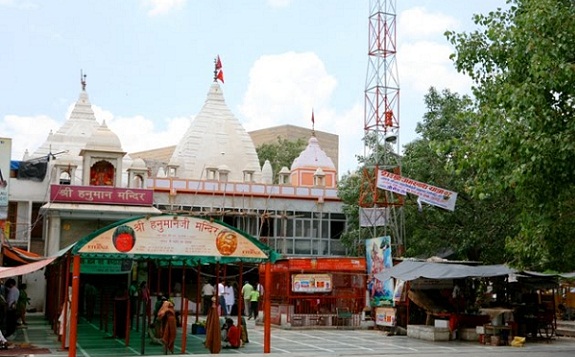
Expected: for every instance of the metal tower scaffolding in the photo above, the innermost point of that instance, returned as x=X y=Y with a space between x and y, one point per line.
x=381 y=124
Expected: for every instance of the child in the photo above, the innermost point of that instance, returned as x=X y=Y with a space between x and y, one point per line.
x=254 y=302
x=233 y=334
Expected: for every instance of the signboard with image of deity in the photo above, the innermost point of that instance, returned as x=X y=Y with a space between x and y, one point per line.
x=174 y=236
x=311 y=283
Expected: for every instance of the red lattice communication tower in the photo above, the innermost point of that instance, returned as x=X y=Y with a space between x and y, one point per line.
x=381 y=122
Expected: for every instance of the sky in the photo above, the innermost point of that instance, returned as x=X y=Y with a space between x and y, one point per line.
x=149 y=64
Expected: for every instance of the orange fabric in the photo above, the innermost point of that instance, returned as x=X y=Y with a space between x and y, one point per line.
x=15 y=254
x=168 y=316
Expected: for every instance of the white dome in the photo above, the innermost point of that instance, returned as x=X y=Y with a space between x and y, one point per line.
x=138 y=164
x=267 y=173
x=216 y=137
x=223 y=168
x=67 y=159
x=313 y=156
x=104 y=139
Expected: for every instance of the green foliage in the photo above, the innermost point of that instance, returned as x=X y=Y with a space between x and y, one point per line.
x=280 y=154
x=477 y=229
x=520 y=144
x=354 y=237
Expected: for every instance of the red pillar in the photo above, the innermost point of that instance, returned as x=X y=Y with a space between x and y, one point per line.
x=74 y=312
x=267 y=309
x=66 y=300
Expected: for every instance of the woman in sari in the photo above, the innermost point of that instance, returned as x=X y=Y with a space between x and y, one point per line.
x=167 y=315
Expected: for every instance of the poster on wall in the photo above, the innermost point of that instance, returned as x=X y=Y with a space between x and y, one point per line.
x=311 y=283
x=378 y=258
x=385 y=316
x=5 y=153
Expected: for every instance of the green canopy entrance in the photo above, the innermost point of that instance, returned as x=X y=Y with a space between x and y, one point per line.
x=174 y=240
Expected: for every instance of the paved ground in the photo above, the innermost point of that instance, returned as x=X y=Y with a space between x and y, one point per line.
x=297 y=343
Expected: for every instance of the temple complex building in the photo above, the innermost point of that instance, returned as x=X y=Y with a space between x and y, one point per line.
x=90 y=182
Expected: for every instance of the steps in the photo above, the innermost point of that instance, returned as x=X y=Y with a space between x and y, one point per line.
x=565 y=328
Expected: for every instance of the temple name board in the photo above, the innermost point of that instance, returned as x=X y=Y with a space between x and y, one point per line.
x=101 y=195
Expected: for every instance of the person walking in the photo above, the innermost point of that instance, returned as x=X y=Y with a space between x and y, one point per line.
x=207 y=294
x=133 y=292
x=222 y=299
x=12 y=296
x=254 y=301
x=167 y=315
x=247 y=295
x=146 y=299
x=22 y=304
x=230 y=297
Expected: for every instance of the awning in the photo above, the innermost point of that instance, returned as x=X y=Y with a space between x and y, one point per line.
x=411 y=270
x=24 y=269
x=85 y=208
x=19 y=256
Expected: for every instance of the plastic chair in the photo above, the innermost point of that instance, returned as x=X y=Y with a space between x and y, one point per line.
x=343 y=317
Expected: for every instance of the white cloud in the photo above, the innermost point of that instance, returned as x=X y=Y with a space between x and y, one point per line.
x=424 y=64
x=138 y=133
x=284 y=89
x=160 y=7
x=349 y=127
x=27 y=132
x=418 y=22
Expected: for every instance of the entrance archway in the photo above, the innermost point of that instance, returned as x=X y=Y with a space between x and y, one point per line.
x=175 y=240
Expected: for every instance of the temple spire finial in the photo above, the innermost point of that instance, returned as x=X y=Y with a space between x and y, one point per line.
x=312 y=123
x=83 y=79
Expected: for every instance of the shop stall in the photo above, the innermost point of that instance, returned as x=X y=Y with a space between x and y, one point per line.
x=312 y=292
x=444 y=299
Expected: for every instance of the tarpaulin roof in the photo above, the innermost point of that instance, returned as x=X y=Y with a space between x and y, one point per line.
x=6 y=272
x=410 y=270
x=177 y=239
x=19 y=256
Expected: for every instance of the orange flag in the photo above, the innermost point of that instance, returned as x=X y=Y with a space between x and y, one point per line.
x=220 y=75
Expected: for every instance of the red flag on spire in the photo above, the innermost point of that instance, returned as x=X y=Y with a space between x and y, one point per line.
x=218 y=63
x=312 y=118
x=220 y=75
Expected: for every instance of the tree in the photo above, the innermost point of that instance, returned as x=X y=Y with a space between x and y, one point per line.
x=280 y=154
x=477 y=229
x=522 y=61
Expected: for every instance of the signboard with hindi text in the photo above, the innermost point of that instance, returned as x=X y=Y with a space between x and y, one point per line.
x=426 y=193
x=101 y=195
x=311 y=283
x=168 y=235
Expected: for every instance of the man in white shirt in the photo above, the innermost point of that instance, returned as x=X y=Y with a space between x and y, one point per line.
x=222 y=299
x=207 y=295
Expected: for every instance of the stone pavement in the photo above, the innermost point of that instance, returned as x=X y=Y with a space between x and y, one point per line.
x=297 y=343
